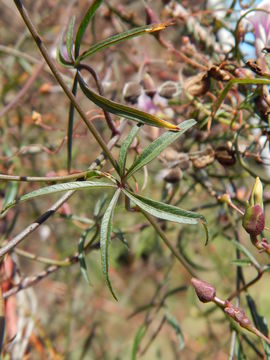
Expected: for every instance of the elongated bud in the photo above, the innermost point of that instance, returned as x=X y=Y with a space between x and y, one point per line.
x=256 y=196
x=205 y=291
x=253 y=220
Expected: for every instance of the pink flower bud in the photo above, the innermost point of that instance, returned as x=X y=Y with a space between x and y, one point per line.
x=253 y=220
x=205 y=291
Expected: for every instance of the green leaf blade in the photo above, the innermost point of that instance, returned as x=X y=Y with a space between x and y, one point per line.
x=69 y=38
x=157 y=146
x=125 y=146
x=124 y=110
x=105 y=236
x=75 y=185
x=164 y=211
x=115 y=39
x=81 y=255
x=84 y=23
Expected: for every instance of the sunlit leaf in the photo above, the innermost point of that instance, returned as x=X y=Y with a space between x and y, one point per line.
x=83 y=25
x=76 y=185
x=157 y=146
x=105 y=237
x=124 y=110
x=115 y=39
x=125 y=146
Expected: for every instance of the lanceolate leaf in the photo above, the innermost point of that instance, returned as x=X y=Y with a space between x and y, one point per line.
x=60 y=53
x=164 y=211
x=138 y=338
x=124 y=110
x=157 y=146
x=76 y=185
x=81 y=254
x=105 y=237
x=125 y=146
x=172 y=321
x=115 y=39
x=69 y=38
x=83 y=25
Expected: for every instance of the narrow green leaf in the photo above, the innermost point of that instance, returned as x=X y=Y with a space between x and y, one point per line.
x=245 y=251
x=138 y=338
x=99 y=205
x=81 y=255
x=70 y=124
x=125 y=146
x=157 y=146
x=164 y=211
x=75 y=185
x=242 y=262
x=172 y=321
x=105 y=237
x=115 y=39
x=60 y=53
x=83 y=25
x=259 y=322
x=69 y=38
x=124 y=110
x=11 y=193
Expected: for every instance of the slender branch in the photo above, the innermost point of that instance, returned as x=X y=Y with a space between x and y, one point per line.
x=58 y=77
x=49 y=212
x=163 y=236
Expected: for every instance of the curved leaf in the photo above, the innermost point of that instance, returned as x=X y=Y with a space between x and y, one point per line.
x=164 y=211
x=125 y=146
x=81 y=255
x=75 y=185
x=138 y=338
x=69 y=38
x=115 y=39
x=124 y=110
x=83 y=25
x=157 y=146
x=105 y=237
x=60 y=53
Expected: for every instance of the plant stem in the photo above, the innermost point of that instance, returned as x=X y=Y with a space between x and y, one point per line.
x=163 y=236
x=58 y=77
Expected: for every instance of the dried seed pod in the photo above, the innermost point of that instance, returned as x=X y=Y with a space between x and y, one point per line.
x=201 y=159
x=219 y=74
x=132 y=90
x=225 y=155
x=205 y=291
x=197 y=85
x=174 y=158
x=168 y=90
x=149 y=85
x=174 y=175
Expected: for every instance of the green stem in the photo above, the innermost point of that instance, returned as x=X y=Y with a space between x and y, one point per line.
x=28 y=22
x=163 y=236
